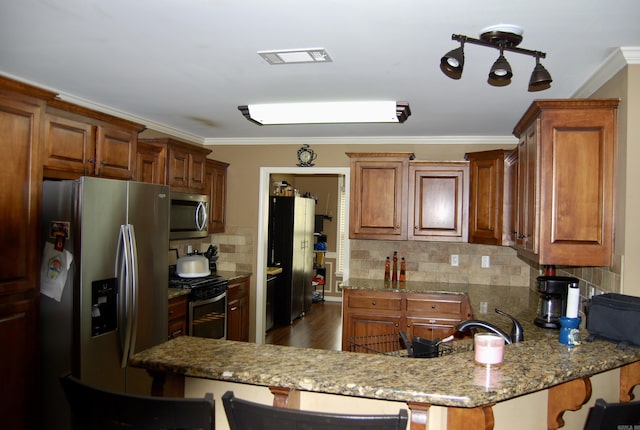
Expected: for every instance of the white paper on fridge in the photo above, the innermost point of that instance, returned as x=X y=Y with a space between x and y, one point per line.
x=54 y=271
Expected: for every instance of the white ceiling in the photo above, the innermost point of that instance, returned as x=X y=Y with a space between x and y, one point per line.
x=183 y=66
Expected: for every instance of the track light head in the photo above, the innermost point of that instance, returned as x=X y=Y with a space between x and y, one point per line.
x=500 y=73
x=503 y=37
x=452 y=63
x=540 y=78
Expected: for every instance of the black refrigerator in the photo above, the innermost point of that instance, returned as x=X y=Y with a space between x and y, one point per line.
x=291 y=224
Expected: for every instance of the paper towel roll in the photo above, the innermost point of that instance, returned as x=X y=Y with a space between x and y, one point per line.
x=573 y=301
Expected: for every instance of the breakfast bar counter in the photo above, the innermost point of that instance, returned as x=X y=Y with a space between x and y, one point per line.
x=466 y=390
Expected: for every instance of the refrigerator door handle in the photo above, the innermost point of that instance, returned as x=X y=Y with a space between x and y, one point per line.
x=201 y=213
x=123 y=269
x=133 y=276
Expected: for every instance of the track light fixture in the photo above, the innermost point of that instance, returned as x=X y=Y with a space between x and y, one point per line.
x=503 y=37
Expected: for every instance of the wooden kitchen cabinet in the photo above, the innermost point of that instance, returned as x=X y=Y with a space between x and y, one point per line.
x=376 y=313
x=186 y=167
x=238 y=309
x=177 y=317
x=151 y=161
x=83 y=142
x=379 y=189
x=438 y=201
x=185 y=164
x=492 y=196
x=21 y=114
x=216 y=188
x=566 y=157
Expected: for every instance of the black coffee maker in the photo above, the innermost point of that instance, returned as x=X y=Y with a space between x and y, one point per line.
x=552 y=304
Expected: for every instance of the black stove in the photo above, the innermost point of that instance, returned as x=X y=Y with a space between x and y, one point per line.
x=201 y=288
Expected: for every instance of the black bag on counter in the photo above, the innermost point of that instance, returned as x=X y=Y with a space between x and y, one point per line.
x=614 y=317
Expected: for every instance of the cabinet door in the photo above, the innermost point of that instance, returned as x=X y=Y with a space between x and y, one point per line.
x=238 y=310
x=378 y=199
x=527 y=235
x=115 y=152
x=363 y=328
x=69 y=147
x=197 y=172
x=577 y=150
x=486 y=178
x=438 y=206
x=178 y=168
x=20 y=198
x=150 y=163
x=216 y=189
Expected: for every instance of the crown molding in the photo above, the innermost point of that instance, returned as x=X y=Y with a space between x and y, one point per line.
x=615 y=62
x=367 y=140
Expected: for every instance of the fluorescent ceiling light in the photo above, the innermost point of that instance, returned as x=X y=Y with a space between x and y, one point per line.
x=327 y=112
x=306 y=55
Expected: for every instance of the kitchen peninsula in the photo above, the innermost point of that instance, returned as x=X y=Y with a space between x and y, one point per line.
x=451 y=389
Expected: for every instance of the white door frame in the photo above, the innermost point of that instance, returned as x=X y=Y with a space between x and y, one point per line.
x=263 y=231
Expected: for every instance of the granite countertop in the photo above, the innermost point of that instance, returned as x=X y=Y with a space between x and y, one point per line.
x=453 y=380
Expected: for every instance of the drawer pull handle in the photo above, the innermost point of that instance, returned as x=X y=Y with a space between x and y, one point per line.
x=234 y=308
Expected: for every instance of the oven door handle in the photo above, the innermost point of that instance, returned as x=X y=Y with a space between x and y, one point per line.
x=201 y=214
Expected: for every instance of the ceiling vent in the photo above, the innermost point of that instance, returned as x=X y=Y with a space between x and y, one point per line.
x=290 y=56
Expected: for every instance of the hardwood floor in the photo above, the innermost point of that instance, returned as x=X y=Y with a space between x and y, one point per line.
x=320 y=328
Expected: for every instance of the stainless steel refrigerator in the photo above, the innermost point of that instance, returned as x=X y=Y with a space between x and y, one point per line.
x=114 y=301
x=291 y=224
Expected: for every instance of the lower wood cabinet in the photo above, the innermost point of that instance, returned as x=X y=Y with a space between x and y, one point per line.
x=374 y=313
x=238 y=309
x=178 y=316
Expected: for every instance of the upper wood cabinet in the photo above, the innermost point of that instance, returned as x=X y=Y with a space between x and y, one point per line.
x=184 y=165
x=379 y=189
x=151 y=161
x=80 y=141
x=438 y=205
x=566 y=157
x=492 y=196
x=21 y=113
x=216 y=188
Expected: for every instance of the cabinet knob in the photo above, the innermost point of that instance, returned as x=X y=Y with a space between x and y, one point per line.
x=373 y=302
x=433 y=306
x=234 y=308
x=90 y=160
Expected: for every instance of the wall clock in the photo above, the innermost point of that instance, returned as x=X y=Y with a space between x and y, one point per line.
x=306 y=156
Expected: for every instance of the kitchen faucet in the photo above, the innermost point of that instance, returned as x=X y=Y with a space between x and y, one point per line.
x=517 y=332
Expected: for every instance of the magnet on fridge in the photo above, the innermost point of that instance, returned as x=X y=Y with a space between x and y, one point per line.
x=60 y=232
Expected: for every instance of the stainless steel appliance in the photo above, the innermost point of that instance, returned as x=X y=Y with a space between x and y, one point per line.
x=291 y=225
x=207 y=304
x=114 y=302
x=552 y=303
x=188 y=215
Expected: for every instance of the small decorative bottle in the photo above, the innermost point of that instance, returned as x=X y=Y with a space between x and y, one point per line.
x=403 y=270
x=387 y=269
x=394 y=274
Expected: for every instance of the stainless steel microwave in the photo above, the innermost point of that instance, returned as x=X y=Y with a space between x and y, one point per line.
x=189 y=214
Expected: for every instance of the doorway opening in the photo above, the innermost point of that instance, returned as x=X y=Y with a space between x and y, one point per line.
x=342 y=240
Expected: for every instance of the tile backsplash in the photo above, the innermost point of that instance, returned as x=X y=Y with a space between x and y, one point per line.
x=431 y=262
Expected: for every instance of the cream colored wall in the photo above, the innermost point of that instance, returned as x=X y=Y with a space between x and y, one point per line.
x=625 y=85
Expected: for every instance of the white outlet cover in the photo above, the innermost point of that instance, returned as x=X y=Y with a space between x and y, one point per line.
x=454 y=259
x=485 y=261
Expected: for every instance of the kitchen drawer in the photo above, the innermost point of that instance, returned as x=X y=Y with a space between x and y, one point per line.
x=434 y=306
x=178 y=307
x=392 y=302
x=238 y=289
